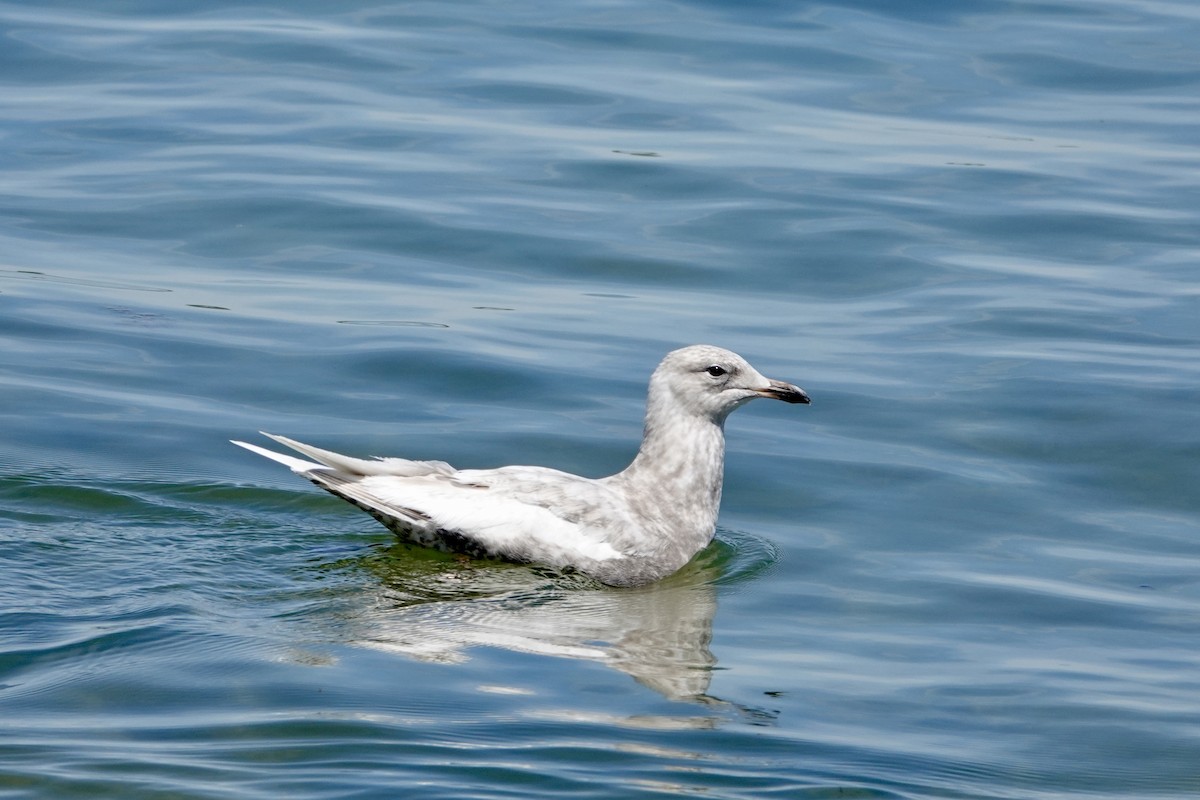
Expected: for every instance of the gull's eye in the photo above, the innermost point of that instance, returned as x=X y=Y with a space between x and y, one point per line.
x=716 y=370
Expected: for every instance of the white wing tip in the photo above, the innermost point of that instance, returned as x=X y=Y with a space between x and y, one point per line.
x=296 y=465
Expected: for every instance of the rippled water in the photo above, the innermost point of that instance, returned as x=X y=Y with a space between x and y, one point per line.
x=468 y=232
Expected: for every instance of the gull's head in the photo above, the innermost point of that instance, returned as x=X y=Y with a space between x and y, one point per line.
x=709 y=381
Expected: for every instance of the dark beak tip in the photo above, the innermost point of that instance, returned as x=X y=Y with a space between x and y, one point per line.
x=788 y=394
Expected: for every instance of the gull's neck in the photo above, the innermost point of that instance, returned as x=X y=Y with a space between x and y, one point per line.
x=679 y=468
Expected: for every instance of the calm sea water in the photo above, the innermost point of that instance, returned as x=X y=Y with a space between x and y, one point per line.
x=468 y=231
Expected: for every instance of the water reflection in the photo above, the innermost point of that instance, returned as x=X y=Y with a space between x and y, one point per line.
x=436 y=608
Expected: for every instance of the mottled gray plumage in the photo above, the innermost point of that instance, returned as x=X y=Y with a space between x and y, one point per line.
x=631 y=528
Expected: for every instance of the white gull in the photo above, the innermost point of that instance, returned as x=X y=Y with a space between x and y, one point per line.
x=628 y=529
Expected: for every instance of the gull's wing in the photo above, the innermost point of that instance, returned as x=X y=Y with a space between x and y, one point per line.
x=485 y=520
x=517 y=513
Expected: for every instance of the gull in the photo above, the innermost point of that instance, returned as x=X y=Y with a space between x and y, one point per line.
x=628 y=529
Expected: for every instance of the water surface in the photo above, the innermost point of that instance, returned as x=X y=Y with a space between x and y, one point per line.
x=469 y=232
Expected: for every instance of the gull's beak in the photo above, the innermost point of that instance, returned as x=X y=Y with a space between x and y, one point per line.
x=778 y=390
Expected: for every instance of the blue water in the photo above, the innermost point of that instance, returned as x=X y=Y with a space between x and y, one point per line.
x=468 y=231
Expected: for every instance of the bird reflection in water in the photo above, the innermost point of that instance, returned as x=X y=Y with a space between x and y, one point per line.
x=434 y=607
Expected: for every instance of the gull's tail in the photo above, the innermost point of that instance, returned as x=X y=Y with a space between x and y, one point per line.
x=328 y=461
x=341 y=475
x=294 y=464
